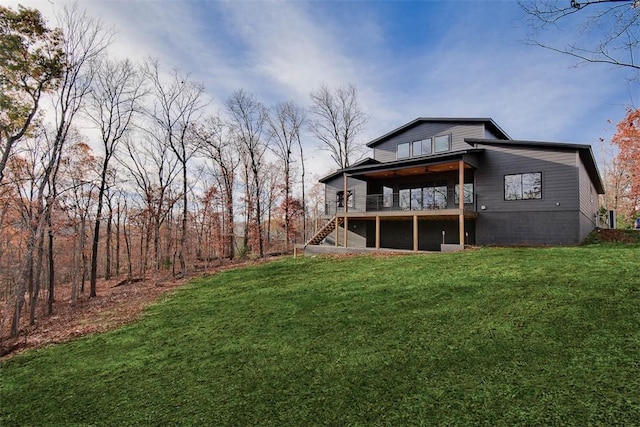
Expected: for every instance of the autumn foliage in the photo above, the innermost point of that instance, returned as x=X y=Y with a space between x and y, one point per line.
x=627 y=139
x=148 y=187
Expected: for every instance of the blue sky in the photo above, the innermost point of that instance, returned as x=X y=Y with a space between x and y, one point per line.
x=407 y=59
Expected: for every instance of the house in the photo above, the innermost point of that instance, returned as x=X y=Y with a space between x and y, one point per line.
x=407 y=196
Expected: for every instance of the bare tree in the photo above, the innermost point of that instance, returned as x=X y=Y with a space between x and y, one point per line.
x=302 y=187
x=85 y=40
x=285 y=122
x=78 y=169
x=28 y=174
x=336 y=121
x=249 y=117
x=153 y=169
x=217 y=145
x=609 y=32
x=113 y=102
x=271 y=193
x=32 y=172
x=177 y=107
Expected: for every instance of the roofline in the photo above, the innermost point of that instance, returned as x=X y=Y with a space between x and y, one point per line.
x=585 y=151
x=341 y=171
x=357 y=170
x=485 y=120
x=528 y=143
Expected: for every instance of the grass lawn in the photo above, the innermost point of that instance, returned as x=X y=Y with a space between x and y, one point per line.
x=484 y=337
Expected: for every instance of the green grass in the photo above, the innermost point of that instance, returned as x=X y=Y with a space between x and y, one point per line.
x=485 y=337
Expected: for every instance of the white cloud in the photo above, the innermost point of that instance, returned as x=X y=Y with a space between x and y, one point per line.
x=283 y=50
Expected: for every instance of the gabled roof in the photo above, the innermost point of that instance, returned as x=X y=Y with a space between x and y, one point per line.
x=585 y=152
x=489 y=123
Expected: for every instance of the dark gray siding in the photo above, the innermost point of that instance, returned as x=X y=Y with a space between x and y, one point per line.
x=490 y=135
x=398 y=233
x=336 y=184
x=589 y=203
x=552 y=220
x=386 y=151
x=559 y=178
x=541 y=228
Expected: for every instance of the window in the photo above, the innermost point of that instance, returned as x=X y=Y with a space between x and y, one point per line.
x=416 y=199
x=340 y=199
x=405 y=199
x=524 y=186
x=434 y=196
x=387 y=197
x=403 y=151
x=441 y=143
x=423 y=147
x=468 y=194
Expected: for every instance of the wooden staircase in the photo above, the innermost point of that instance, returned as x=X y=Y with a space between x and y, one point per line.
x=325 y=231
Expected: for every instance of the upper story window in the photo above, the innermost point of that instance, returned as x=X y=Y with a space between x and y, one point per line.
x=523 y=186
x=424 y=147
x=404 y=151
x=442 y=143
x=421 y=148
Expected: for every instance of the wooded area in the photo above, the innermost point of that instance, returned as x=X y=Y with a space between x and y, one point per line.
x=112 y=169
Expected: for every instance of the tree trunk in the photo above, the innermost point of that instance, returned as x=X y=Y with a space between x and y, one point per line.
x=256 y=182
x=183 y=238
x=52 y=275
x=37 y=277
x=96 y=231
x=77 y=264
x=127 y=245
x=287 y=216
x=229 y=226
x=107 y=265
x=26 y=282
x=304 y=203
x=118 y=240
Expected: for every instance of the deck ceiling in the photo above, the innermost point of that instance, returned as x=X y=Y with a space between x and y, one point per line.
x=414 y=170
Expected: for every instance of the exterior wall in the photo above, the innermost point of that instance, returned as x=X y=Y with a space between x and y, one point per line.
x=490 y=135
x=398 y=233
x=332 y=187
x=540 y=228
x=552 y=220
x=386 y=151
x=588 y=201
x=356 y=236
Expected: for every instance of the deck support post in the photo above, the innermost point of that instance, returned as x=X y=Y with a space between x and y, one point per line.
x=345 y=204
x=346 y=230
x=461 y=200
x=415 y=233
x=336 y=231
x=377 y=231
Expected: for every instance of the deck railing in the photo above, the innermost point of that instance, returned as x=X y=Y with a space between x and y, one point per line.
x=392 y=202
